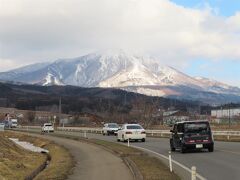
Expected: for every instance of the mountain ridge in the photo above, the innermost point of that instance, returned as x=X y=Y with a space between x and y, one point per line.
x=120 y=70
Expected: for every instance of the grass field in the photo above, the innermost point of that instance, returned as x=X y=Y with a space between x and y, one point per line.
x=15 y=162
x=19 y=163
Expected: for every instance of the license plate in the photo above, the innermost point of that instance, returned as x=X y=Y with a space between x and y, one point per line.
x=199 y=146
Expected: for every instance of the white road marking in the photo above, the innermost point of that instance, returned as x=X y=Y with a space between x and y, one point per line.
x=175 y=162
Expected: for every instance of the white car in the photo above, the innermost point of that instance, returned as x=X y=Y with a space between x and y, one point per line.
x=132 y=132
x=47 y=127
x=14 y=123
x=110 y=128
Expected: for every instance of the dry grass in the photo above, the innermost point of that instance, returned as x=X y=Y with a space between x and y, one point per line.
x=225 y=127
x=150 y=167
x=225 y=138
x=15 y=162
x=60 y=166
x=61 y=163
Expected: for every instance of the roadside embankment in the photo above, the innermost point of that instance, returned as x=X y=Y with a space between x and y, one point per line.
x=16 y=162
x=19 y=163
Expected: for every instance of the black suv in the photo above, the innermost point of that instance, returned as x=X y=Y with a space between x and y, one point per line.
x=191 y=135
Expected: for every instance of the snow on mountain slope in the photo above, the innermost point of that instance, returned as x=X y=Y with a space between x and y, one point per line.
x=211 y=82
x=17 y=73
x=51 y=80
x=135 y=74
x=217 y=87
x=119 y=70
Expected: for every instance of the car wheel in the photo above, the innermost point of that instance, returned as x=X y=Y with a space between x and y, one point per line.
x=143 y=140
x=118 y=140
x=171 y=145
x=211 y=149
x=124 y=140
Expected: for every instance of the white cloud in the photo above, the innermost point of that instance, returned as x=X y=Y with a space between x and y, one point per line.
x=7 y=64
x=46 y=30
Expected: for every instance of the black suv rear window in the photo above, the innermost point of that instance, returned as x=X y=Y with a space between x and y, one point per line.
x=196 y=127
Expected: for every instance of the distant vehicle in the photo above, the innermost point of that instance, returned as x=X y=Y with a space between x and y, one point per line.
x=2 y=126
x=110 y=128
x=191 y=135
x=47 y=127
x=13 y=123
x=6 y=124
x=132 y=132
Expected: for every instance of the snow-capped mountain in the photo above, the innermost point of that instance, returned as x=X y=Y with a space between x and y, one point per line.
x=121 y=70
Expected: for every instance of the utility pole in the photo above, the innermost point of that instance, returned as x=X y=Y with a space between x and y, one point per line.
x=125 y=98
x=60 y=109
x=229 y=116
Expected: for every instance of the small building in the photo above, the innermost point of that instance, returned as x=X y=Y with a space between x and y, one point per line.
x=226 y=113
x=171 y=117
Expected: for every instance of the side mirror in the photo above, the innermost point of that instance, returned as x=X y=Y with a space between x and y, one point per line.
x=171 y=131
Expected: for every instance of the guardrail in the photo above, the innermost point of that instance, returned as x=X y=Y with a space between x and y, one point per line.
x=2 y=127
x=156 y=133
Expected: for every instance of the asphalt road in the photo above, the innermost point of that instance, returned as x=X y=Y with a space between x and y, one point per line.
x=222 y=164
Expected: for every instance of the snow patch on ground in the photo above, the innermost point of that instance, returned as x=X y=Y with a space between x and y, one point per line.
x=28 y=146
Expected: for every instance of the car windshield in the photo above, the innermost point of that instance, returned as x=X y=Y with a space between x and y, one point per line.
x=196 y=127
x=48 y=125
x=113 y=126
x=134 y=127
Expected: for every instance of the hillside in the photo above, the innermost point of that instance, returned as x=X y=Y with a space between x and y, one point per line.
x=104 y=102
x=129 y=72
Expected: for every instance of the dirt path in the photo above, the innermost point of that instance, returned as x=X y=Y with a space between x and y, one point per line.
x=93 y=163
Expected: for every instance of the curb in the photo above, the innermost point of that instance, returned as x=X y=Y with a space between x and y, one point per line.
x=133 y=168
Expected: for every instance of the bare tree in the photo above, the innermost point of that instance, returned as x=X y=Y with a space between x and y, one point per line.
x=31 y=116
x=145 y=111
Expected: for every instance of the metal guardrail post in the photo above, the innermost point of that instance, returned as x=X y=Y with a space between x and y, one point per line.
x=170 y=161
x=194 y=173
x=85 y=134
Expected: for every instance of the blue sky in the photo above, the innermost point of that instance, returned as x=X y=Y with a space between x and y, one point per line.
x=223 y=7
x=225 y=70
